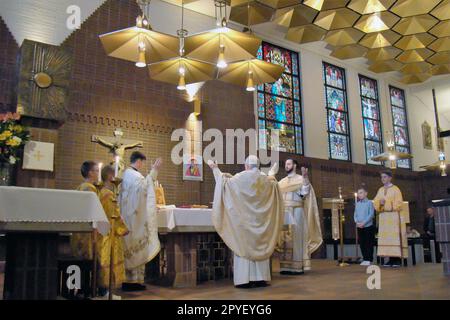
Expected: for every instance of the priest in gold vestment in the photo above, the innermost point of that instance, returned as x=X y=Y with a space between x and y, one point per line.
x=392 y=239
x=301 y=234
x=248 y=215
x=112 y=241
x=138 y=210
x=81 y=243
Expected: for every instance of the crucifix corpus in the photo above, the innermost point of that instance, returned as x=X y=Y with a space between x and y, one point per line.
x=117 y=146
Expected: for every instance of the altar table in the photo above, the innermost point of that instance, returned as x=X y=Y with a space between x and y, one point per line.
x=32 y=219
x=191 y=250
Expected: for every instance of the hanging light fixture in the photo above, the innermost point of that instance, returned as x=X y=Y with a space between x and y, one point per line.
x=140 y=43
x=222 y=45
x=391 y=155
x=250 y=83
x=182 y=71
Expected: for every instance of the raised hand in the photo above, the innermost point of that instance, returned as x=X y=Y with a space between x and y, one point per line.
x=212 y=164
x=304 y=172
x=157 y=164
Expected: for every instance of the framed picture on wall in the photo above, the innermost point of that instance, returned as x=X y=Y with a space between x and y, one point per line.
x=426 y=136
x=193 y=168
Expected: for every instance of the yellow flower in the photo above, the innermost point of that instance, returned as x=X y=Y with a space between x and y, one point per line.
x=14 y=142
x=5 y=135
x=18 y=128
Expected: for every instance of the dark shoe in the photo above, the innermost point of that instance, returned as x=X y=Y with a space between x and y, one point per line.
x=387 y=264
x=292 y=273
x=244 y=286
x=260 y=284
x=128 y=287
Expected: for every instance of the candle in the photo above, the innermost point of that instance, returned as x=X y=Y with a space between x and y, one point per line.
x=356 y=197
x=100 y=172
x=116 y=166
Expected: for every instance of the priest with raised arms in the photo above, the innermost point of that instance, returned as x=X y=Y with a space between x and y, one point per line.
x=248 y=214
x=138 y=210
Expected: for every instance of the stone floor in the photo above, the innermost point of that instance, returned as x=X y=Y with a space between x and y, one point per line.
x=325 y=281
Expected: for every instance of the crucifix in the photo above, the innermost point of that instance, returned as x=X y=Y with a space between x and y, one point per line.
x=117 y=146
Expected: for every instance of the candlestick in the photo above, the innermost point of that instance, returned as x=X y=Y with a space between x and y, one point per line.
x=116 y=166
x=100 y=172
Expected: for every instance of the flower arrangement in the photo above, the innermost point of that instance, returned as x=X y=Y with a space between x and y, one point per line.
x=13 y=136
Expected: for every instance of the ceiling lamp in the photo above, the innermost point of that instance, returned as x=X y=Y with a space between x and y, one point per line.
x=222 y=45
x=140 y=43
x=370 y=6
x=250 y=73
x=182 y=71
x=376 y=22
x=391 y=156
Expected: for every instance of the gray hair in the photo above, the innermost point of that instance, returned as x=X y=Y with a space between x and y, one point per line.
x=252 y=161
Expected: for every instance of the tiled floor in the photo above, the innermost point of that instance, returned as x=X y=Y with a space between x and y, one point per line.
x=325 y=281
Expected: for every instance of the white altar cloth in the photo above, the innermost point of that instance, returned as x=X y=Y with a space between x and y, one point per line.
x=36 y=205
x=185 y=219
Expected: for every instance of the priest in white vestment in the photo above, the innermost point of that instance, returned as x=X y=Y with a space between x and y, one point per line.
x=138 y=210
x=248 y=215
x=301 y=234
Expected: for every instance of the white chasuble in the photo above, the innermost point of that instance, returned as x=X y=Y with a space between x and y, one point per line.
x=248 y=214
x=138 y=210
x=301 y=234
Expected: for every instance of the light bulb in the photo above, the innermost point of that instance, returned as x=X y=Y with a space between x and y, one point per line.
x=250 y=83
x=141 y=61
x=181 y=83
x=221 y=63
x=392 y=157
x=181 y=71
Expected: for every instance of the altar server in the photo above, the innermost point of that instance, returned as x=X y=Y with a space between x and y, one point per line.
x=81 y=243
x=392 y=240
x=248 y=215
x=301 y=235
x=112 y=241
x=138 y=210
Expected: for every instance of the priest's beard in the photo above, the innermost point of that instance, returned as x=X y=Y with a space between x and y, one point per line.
x=289 y=171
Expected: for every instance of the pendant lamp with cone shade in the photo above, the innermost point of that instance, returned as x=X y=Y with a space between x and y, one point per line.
x=140 y=44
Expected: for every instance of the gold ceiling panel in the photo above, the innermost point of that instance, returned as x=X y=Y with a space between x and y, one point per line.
x=370 y=6
x=278 y=4
x=441 y=69
x=349 y=52
x=336 y=19
x=416 y=55
x=415 y=41
x=382 y=54
x=305 y=34
x=325 y=4
x=385 y=66
x=343 y=37
x=440 y=45
x=297 y=16
x=377 y=22
x=415 y=78
x=440 y=58
x=442 y=11
x=415 y=68
x=380 y=39
x=407 y=8
x=251 y=13
x=416 y=24
x=442 y=29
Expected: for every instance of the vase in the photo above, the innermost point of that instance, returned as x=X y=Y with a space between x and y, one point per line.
x=6 y=174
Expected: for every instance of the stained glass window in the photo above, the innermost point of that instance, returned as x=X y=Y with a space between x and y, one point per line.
x=400 y=122
x=337 y=112
x=279 y=104
x=373 y=138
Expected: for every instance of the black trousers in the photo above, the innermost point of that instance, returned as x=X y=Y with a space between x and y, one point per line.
x=366 y=240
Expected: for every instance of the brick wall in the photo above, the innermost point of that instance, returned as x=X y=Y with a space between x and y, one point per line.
x=8 y=54
x=106 y=93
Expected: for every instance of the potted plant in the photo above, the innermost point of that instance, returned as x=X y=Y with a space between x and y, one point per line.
x=13 y=137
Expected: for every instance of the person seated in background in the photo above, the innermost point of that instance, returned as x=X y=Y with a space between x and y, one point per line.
x=112 y=241
x=429 y=230
x=364 y=214
x=412 y=233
